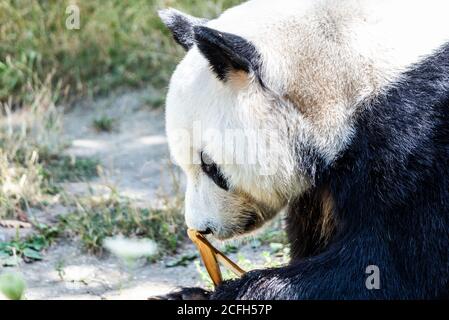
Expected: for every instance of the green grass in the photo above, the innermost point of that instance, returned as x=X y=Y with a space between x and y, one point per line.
x=31 y=160
x=28 y=138
x=119 y=43
x=29 y=249
x=66 y=168
x=104 y=124
x=98 y=218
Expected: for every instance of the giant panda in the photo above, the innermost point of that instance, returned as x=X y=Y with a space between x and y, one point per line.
x=350 y=102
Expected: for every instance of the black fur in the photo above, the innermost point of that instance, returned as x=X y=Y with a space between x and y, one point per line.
x=212 y=170
x=184 y=294
x=226 y=52
x=390 y=192
x=310 y=230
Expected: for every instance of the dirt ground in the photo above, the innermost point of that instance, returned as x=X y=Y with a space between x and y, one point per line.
x=136 y=160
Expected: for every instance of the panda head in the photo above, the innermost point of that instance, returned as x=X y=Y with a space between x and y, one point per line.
x=264 y=93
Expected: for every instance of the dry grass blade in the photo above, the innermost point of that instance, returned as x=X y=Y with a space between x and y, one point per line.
x=211 y=256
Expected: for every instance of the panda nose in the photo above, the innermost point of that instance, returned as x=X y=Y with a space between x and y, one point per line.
x=207 y=231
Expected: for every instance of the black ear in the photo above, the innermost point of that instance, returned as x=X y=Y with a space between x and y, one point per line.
x=181 y=25
x=226 y=52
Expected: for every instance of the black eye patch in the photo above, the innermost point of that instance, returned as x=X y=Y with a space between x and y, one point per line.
x=211 y=169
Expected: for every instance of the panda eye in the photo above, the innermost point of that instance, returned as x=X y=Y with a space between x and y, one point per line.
x=211 y=169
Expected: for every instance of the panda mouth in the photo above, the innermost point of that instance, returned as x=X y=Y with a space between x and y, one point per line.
x=249 y=223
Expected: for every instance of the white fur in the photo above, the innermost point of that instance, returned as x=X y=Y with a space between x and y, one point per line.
x=319 y=56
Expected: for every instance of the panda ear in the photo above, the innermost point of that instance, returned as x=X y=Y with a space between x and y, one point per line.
x=181 y=26
x=226 y=52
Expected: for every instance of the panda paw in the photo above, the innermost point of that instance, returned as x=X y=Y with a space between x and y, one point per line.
x=185 y=294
